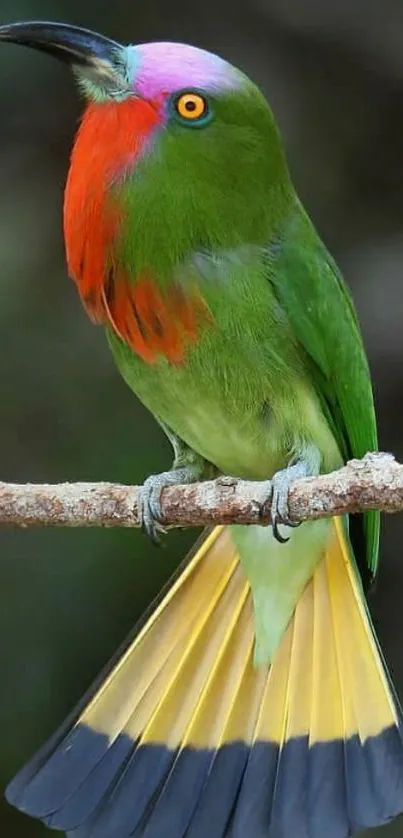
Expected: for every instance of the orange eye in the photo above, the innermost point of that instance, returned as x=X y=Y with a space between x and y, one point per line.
x=191 y=106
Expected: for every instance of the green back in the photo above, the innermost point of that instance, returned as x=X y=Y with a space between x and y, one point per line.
x=311 y=289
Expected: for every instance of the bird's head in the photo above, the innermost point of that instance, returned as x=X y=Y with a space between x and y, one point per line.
x=174 y=140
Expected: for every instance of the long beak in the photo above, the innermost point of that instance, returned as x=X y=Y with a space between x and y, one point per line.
x=98 y=58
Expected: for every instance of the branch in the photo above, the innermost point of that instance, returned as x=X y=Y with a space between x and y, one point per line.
x=375 y=482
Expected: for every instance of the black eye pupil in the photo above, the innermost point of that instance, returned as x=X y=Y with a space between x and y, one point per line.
x=190 y=105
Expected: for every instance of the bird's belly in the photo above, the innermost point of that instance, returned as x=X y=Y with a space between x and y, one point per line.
x=239 y=423
x=241 y=399
x=249 y=446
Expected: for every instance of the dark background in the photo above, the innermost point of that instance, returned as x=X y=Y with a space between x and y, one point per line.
x=333 y=73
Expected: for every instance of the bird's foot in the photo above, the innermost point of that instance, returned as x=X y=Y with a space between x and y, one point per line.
x=280 y=488
x=280 y=485
x=150 y=511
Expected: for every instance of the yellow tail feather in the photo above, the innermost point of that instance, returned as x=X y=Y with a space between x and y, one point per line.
x=185 y=713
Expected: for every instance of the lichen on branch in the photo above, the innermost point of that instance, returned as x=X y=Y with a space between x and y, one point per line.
x=375 y=482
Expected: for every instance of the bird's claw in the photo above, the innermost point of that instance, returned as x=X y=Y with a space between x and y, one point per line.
x=150 y=511
x=280 y=489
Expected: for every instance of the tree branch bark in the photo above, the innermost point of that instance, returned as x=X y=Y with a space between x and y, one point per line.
x=375 y=482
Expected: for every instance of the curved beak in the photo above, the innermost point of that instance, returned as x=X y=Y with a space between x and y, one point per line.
x=97 y=58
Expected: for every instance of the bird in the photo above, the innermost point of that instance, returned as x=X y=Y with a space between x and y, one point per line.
x=253 y=698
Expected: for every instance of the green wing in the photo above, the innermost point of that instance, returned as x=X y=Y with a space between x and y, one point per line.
x=310 y=288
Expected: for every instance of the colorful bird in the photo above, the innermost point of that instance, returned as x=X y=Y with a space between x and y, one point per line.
x=253 y=699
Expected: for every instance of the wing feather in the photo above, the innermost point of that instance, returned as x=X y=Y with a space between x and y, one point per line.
x=320 y=309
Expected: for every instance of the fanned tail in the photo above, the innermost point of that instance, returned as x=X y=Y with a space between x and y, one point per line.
x=182 y=736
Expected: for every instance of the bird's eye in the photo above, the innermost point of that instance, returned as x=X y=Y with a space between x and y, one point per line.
x=191 y=107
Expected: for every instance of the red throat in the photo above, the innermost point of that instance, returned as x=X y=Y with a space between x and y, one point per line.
x=110 y=139
x=153 y=323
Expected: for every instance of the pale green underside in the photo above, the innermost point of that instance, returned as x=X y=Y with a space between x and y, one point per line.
x=278 y=574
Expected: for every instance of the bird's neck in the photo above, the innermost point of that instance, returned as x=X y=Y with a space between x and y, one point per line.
x=125 y=237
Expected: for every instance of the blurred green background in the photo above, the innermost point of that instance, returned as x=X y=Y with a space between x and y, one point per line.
x=333 y=73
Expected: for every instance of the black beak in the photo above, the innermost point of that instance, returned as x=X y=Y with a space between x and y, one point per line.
x=100 y=58
x=69 y=43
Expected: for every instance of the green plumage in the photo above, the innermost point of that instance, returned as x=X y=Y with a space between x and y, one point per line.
x=280 y=375
x=281 y=372
x=223 y=185
x=284 y=364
